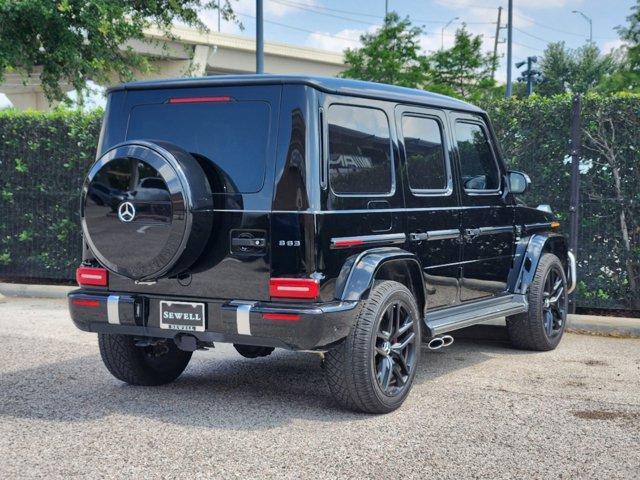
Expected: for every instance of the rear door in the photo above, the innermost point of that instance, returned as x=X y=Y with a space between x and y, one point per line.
x=487 y=213
x=231 y=131
x=433 y=217
x=362 y=196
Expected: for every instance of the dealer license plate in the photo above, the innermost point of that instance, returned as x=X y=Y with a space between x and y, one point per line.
x=184 y=316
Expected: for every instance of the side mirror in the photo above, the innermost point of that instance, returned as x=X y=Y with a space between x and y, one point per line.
x=518 y=182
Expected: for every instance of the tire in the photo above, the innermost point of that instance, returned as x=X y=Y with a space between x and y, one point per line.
x=251 y=351
x=355 y=369
x=530 y=330
x=148 y=366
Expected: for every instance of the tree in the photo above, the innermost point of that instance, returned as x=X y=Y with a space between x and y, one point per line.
x=389 y=55
x=463 y=70
x=628 y=77
x=574 y=70
x=631 y=35
x=73 y=41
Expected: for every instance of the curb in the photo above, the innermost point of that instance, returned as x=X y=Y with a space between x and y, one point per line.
x=34 y=291
x=604 y=326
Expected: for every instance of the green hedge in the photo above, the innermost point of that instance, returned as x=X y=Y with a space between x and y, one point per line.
x=44 y=156
x=534 y=135
x=43 y=159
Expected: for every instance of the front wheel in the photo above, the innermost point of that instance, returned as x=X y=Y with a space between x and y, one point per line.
x=542 y=326
x=372 y=371
x=151 y=365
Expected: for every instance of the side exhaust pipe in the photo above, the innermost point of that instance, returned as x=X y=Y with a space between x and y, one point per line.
x=440 y=342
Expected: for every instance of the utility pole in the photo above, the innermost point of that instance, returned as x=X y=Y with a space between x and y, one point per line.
x=495 y=43
x=218 y=16
x=509 y=47
x=574 y=198
x=529 y=75
x=386 y=8
x=259 y=37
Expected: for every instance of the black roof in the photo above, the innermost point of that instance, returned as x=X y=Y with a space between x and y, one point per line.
x=340 y=86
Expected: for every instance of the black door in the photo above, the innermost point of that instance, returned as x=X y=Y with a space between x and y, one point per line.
x=487 y=214
x=433 y=217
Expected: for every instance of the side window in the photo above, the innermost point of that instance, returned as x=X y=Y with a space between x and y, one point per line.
x=477 y=166
x=359 y=150
x=424 y=151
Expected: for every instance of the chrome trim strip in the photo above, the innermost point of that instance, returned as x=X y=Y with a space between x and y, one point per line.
x=113 y=314
x=494 y=230
x=537 y=226
x=242 y=319
x=389 y=238
x=573 y=272
x=450 y=234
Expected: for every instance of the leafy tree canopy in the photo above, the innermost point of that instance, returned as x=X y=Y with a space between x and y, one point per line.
x=73 y=41
x=392 y=55
x=580 y=70
x=463 y=70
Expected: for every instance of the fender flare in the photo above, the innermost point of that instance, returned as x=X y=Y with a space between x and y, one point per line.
x=359 y=272
x=529 y=251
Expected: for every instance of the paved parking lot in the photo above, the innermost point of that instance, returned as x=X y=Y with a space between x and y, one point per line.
x=477 y=410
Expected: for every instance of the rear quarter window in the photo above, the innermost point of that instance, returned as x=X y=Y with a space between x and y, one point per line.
x=234 y=136
x=359 y=151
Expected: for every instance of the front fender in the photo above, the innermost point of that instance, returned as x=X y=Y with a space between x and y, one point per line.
x=529 y=251
x=359 y=272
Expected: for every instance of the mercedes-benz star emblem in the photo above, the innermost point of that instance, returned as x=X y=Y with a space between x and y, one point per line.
x=126 y=212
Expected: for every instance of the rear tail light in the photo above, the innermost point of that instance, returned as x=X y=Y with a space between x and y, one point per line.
x=306 y=288
x=91 y=276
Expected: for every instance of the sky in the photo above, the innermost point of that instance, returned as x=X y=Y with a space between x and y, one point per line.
x=337 y=24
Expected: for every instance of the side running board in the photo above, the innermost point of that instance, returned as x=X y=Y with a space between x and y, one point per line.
x=460 y=316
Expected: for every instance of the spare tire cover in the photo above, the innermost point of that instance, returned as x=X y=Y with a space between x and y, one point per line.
x=146 y=210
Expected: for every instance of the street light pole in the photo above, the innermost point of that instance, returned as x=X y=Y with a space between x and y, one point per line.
x=443 y=29
x=259 y=37
x=588 y=19
x=386 y=8
x=509 y=47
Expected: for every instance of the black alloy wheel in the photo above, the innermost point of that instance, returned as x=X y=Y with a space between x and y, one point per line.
x=395 y=351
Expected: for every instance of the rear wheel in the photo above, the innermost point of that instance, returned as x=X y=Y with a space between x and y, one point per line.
x=541 y=327
x=372 y=371
x=152 y=365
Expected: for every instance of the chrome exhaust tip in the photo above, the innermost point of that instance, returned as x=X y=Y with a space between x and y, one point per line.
x=440 y=342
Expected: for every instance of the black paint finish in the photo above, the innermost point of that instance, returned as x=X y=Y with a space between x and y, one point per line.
x=274 y=212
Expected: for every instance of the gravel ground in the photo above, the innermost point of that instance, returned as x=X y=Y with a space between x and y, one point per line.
x=477 y=410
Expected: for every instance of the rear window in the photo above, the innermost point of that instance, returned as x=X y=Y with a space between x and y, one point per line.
x=232 y=135
x=359 y=150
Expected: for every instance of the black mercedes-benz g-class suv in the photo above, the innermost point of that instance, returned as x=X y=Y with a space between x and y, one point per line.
x=350 y=218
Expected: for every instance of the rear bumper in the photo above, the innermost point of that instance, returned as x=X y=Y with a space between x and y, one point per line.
x=311 y=326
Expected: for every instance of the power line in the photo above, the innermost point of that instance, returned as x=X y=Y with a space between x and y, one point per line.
x=300 y=29
x=559 y=30
x=323 y=11
x=531 y=35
